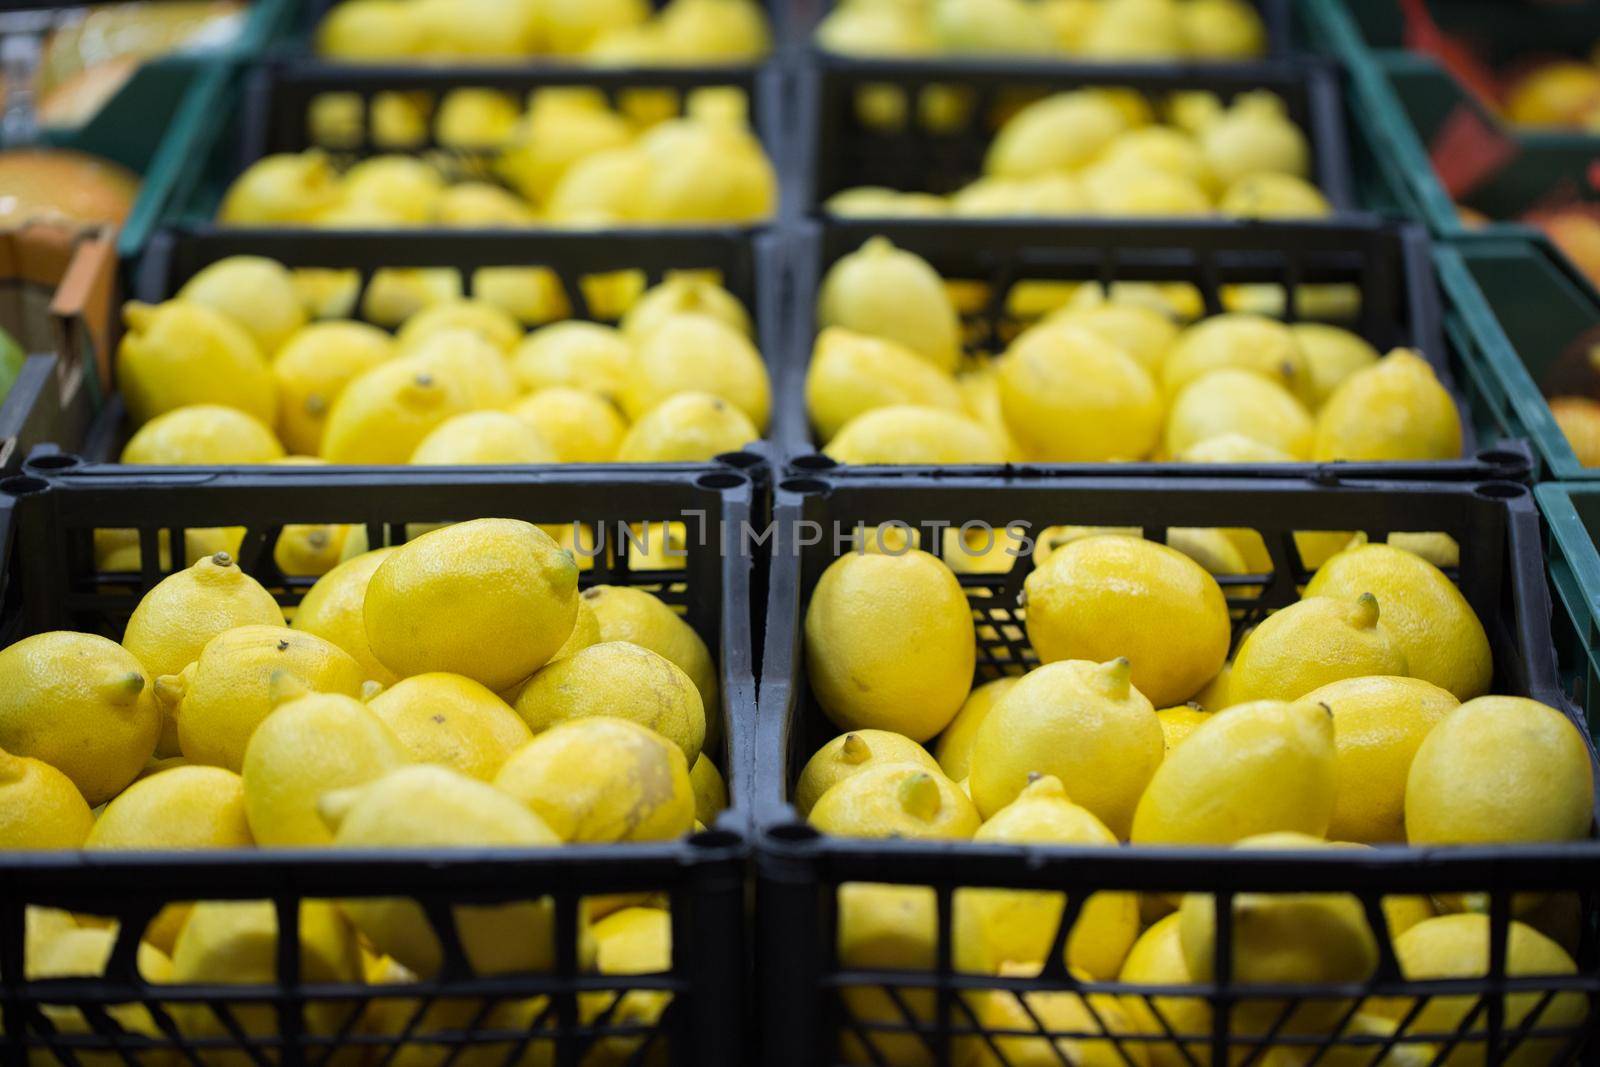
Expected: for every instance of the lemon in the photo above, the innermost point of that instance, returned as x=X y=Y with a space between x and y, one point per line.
x=76 y=952
x=1540 y=789
x=579 y=426
x=560 y=128
x=585 y=630
x=710 y=791
x=1009 y=1017
x=622 y=680
x=886 y=292
x=1103 y=597
x=1393 y=410
x=403 y=187
x=875 y=201
x=474 y=118
x=452 y=721
x=1082 y=722
x=332 y=611
x=236 y=943
x=1179 y=722
x=1215 y=696
x=312 y=368
x=177 y=354
x=1157 y=959
x=308 y=746
x=872 y=663
x=1059 y=133
x=1273 y=196
x=1457 y=946
x=172 y=623
x=1069 y=396
x=534 y=295
x=182 y=808
x=683 y=293
x=202 y=434
x=488 y=322
x=367 y=30
x=1307 y=645
x=906 y=434
x=1255 y=768
x=851 y=373
x=255 y=292
x=641 y=618
x=954 y=750
x=285 y=188
x=1128 y=189
x=1134 y=29
x=397 y=293
x=1423 y=611
x=435 y=807
x=706 y=168
x=1255 y=134
x=1378 y=724
x=382 y=415
x=994 y=926
x=1041 y=195
x=601 y=189
x=220 y=698
x=578 y=355
x=1233 y=447
x=479 y=206
x=40 y=808
x=82 y=704
x=689 y=427
x=602 y=778
x=850 y=754
x=990 y=26
x=1224 y=402
x=627 y=942
x=476 y=365
x=1283 y=939
x=896 y=800
x=1333 y=354
x=1222 y=29
x=695 y=352
x=1242 y=342
x=430 y=603
x=886 y=927
x=1140 y=332
x=483 y=437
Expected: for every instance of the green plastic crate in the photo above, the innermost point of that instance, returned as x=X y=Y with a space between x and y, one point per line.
x=1499 y=31
x=1572 y=522
x=1523 y=320
x=152 y=123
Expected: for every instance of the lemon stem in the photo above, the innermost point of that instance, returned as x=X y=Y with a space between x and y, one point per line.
x=1366 y=616
x=855 y=750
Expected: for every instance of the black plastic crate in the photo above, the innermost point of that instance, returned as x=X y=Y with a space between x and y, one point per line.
x=1389 y=263
x=750 y=267
x=799 y=871
x=266 y=110
x=51 y=582
x=838 y=151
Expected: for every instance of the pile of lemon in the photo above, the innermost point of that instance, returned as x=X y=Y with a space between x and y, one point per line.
x=568 y=159
x=1357 y=716
x=1088 y=29
x=233 y=370
x=1104 y=151
x=597 y=31
x=379 y=718
x=1104 y=376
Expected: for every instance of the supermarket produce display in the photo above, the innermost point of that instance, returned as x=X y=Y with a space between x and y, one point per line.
x=911 y=533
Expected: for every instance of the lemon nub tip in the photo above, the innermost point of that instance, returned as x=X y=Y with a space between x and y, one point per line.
x=1366 y=611
x=222 y=559
x=855 y=749
x=919 y=797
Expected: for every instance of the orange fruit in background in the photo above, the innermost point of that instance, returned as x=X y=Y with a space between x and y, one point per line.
x=1554 y=94
x=1579 y=419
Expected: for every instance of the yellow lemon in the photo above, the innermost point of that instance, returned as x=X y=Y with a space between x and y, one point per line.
x=706 y=168
x=917 y=664
x=533 y=295
x=1157 y=959
x=489 y=322
x=1396 y=409
x=332 y=611
x=1541 y=789
x=577 y=355
x=435 y=807
x=476 y=365
x=475 y=118
x=255 y=292
x=312 y=369
x=954 y=750
x=627 y=942
x=585 y=631
x=182 y=808
x=602 y=778
x=1305 y=646
x=697 y=353
x=429 y=604
x=397 y=293
x=40 y=808
x=1081 y=722
x=203 y=434
x=887 y=927
x=1069 y=396
x=1223 y=402
x=1059 y=133
x=452 y=721
x=1103 y=597
x=1334 y=354
x=1273 y=196
x=220 y=698
x=478 y=206
x=579 y=426
x=1179 y=722
x=1255 y=134
x=851 y=373
x=1140 y=332
x=710 y=791
x=683 y=293
x=289 y=187
x=896 y=800
x=85 y=953
x=482 y=437
x=1252 y=769
x=384 y=413
x=309 y=746
x=82 y=704
x=850 y=754
x=560 y=128
x=1378 y=724
x=1233 y=447
x=403 y=188
x=627 y=614
x=622 y=680
x=1240 y=342
x=1010 y=1017
x=995 y=926
x=1423 y=611
x=886 y=292
x=906 y=434
x=687 y=427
